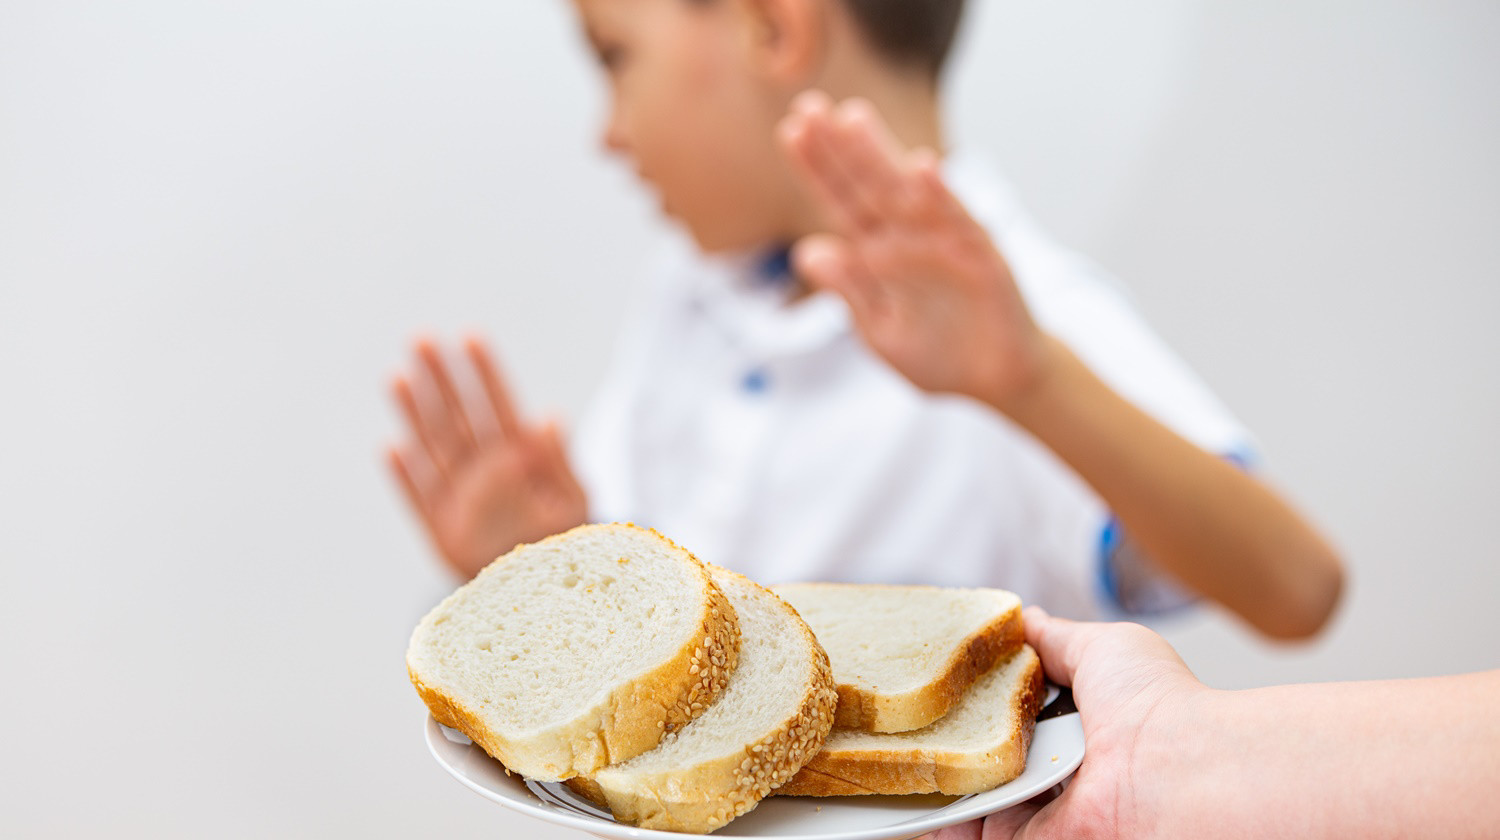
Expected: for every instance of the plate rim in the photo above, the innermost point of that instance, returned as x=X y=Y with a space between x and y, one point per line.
x=915 y=826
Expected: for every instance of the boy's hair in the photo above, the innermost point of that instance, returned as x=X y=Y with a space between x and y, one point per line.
x=919 y=33
x=916 y=33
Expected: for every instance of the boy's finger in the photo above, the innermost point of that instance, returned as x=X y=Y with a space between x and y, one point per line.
x=821 y=260
x=557 y=458
x=402 y=391
x=811 y=101
x=457 y=433
x=796 y=137
x=827 y=263
x=829 y=154
x=397 y=463
x=494 y=387
x=816 y=149
x=552 y=453
x=830 y=148
x=871 y=154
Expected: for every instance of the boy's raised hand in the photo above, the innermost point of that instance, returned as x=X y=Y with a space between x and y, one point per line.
x=927 y=288
x=930 y=293
x=480 y=479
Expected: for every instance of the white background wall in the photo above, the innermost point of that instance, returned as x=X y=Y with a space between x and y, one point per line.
x=221 y=221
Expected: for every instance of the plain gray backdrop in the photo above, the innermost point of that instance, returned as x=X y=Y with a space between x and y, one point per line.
x=221 y=223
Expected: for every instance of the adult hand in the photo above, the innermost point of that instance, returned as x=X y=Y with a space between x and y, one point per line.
x=1133 y=692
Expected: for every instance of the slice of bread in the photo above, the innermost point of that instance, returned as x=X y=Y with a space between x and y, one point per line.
x=577 y=651
x=904 y=655
x=982 y=743
x=773 y=716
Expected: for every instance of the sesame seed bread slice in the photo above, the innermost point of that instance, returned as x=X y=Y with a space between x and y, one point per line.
x=904 y=655
x=979 y=745
x=576 y=651
x=772 y=717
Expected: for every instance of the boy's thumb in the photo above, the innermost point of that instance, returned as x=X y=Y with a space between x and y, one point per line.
x=556 y=444
x=822 y=260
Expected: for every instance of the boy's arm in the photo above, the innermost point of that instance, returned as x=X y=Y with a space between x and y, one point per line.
x=929 y=292
x=1200 y=518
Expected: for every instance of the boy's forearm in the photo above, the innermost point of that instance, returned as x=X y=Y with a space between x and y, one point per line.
x=1199 y=518
x=1371 y=760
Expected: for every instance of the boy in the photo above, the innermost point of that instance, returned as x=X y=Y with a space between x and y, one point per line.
x=793 y=435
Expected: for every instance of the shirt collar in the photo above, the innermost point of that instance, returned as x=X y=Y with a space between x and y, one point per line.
x=775 y=268
x=747 y=297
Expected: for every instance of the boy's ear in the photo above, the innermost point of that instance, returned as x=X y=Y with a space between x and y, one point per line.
x=787 y=38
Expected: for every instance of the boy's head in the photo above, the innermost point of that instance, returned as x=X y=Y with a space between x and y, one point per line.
x=698 y=86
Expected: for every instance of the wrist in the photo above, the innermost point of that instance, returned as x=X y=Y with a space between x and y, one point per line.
x=1175 y=790
x=1034 y=384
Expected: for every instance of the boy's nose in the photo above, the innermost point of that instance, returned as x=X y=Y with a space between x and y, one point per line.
x=613 y=143
x=613 y=139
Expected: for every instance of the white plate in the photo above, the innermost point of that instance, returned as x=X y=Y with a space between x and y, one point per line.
x=1056 y=751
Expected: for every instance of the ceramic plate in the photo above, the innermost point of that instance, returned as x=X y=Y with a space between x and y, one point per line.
x=1056 y=751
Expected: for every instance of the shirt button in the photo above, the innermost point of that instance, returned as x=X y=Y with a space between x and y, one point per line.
x=756 y=381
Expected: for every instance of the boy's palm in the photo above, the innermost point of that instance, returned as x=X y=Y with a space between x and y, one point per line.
x=926 y=286
x=505 y=493
x=481 y=483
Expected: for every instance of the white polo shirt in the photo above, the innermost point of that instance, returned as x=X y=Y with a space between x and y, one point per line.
x=766 y=437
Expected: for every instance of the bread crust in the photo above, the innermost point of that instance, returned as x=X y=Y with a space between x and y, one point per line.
x=863 y=710
x=706 y=796
x=632 y=718
x=834 y=772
